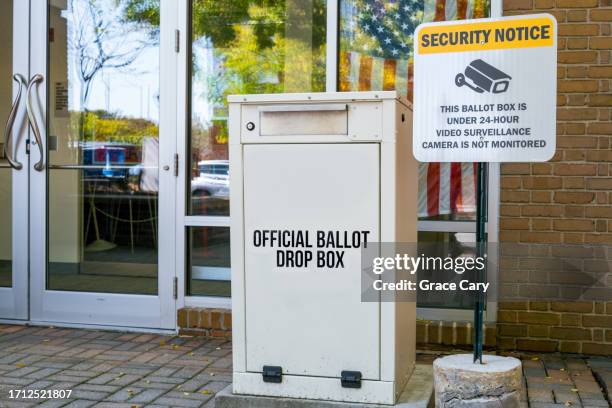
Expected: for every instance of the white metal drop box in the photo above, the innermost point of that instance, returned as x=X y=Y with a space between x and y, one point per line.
x=313 y=176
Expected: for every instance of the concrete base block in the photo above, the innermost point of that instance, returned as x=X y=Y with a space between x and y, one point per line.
x=417 y=394
x=459 y=383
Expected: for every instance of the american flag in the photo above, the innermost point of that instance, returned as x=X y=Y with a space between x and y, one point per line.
x=376 y=54
x=446 y=188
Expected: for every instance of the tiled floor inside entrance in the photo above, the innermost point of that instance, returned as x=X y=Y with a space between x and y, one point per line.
x=114 y=369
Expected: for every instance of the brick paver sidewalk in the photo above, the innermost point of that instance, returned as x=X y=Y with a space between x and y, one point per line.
x=114 y=369
x=565 y=381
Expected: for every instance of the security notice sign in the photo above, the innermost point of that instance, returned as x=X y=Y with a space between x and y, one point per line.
x=485 y=90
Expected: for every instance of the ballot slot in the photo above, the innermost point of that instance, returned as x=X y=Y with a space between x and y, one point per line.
x=303 y=120
x=325 y=122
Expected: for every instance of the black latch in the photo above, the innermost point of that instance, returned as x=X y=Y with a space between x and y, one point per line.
x=350 y=379
x=272 y=374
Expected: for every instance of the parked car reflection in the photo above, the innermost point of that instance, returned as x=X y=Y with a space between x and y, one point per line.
x=210 y=188
x=213 y=179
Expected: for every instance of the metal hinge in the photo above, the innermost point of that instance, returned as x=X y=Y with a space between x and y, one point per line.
x=177 y=40
x=175 y=288
x=176 y=164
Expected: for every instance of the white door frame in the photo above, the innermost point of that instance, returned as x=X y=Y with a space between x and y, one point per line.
x=184 y=221
x=84 y=308
x=14 y=300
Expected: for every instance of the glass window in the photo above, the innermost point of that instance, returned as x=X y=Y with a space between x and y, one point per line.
x=447 y=191
x=442 y=244
x=238 y=47
x=241 y=47
x=6 y=187
x=376 y=54
x=103 y=135
x=6 y=225
x=209 y=261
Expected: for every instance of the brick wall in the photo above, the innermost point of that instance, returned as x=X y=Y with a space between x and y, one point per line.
x=569 y=327
x=429 y=333
x=198 y=321
x=433 y=333
x=569 y=199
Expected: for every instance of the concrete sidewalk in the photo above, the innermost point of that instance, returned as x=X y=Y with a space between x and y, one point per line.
x=114 y=369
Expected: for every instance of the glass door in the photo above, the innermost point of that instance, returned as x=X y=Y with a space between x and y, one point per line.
x=102 y=175
x=13 y=160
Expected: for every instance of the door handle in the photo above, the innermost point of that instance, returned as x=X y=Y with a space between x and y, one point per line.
x=40 y=165
x=8 y=129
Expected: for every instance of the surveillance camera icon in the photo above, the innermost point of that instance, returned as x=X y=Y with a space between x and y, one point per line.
x=480 y=76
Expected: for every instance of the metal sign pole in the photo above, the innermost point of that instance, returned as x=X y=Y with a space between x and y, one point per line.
x=481 y=244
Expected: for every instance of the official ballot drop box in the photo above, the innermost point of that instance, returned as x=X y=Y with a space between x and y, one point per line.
x=312 y=177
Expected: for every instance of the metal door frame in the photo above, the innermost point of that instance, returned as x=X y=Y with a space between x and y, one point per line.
x=104 y=309
x=14 y=300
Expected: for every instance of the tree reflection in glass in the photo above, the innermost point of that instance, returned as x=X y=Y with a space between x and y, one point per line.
x=103 y=136
x=244 y=47
x=239 y=47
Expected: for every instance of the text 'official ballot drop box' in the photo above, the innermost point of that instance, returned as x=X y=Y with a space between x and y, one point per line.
x=314 y=177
